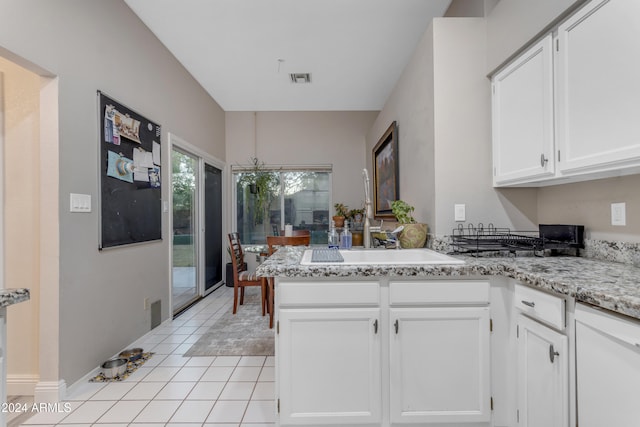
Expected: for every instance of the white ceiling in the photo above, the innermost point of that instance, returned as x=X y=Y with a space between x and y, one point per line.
x=242 y=51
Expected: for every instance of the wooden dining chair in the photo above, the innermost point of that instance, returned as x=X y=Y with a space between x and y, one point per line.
x=295 y=233
x=242 y=277
x=273 y=243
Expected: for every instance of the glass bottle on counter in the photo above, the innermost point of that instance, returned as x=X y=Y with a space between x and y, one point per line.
x=332 y=237
x=345 y=237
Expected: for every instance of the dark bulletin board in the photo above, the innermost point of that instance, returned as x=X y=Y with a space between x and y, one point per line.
x=130 y=193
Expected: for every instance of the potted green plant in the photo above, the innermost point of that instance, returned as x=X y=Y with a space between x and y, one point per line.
x=262 y=183
x=341 y=213
x=355 y=216
x=414 y=234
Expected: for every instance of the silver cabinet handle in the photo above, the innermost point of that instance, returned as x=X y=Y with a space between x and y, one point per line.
x=543 y=160
x=552 y=353
x=396 y=325
x=375 y=326
x=529 y=303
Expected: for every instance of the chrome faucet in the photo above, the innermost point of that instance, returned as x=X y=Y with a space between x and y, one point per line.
x=368 y=213
x=395 y=241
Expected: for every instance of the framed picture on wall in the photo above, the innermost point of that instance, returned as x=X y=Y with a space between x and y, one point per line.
x=385 y=172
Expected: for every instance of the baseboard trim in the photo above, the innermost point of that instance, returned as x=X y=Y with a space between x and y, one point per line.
x=21 y=384
x=50 y=391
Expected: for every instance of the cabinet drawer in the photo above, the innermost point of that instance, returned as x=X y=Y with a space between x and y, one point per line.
x=541 y=306
x=336 y=294
x=439 y=292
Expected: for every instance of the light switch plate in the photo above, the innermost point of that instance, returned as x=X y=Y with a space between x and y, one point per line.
x=618 y=214
x=79 y=202
x=459 y=212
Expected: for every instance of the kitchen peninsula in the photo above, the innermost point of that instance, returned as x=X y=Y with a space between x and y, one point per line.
x=384 y=345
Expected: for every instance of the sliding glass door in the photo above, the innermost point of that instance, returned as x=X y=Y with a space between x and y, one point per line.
x=197 y=245
x=185 y=225
x=212 y=226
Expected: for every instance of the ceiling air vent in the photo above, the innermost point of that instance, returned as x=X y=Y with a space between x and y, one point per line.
x=300 y=77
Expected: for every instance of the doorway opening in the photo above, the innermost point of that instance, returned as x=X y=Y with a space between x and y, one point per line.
x=197 y=219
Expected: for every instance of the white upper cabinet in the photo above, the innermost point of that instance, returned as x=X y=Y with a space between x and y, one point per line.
x=522 y=104
x=598 y=87
x=580 y=86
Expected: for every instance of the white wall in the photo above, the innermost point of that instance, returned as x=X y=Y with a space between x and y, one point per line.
x=22 y=221
x=463 y=133
x=511 y=24
x=305 y=138
x=589 y=203
x=442 y=106
x=411 y=105
x=90 y=46
x=469 y=8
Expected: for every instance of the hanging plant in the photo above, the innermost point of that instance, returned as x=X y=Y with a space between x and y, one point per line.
x=263 y=184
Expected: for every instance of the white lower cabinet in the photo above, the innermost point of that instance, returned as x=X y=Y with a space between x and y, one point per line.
x=342 y=361
x=439 y=359
x=329 y=366
x=608 y=368
x=390 y=353
x=542 y=375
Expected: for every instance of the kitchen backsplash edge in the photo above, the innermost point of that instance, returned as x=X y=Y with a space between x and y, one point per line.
x=622 y=252
x=602 y=250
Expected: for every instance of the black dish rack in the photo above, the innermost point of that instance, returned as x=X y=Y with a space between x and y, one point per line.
x=549 y=239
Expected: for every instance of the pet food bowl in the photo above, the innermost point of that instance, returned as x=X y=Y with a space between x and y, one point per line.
x=114 y=367
x=131 y=354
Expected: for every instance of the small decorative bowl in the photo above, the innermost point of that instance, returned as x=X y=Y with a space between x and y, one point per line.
x=131 y=354
x=114 y=367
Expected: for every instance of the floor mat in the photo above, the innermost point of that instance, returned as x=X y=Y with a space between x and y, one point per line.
x=245 y=333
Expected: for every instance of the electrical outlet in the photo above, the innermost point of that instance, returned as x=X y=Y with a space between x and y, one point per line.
x=618 y=213
x=459 y=212
x=146 y=304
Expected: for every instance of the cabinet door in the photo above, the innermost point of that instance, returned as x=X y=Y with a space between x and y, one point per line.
x=598 y=87
x=329 y=366
x=608 y=369
x=522 y=117
x=439 y=361
x=542 y=375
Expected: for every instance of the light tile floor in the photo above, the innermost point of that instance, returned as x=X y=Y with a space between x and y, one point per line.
x=172 y=390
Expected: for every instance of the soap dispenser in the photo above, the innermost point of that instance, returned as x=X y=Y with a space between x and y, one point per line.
x=332 y=237
x=345 y=237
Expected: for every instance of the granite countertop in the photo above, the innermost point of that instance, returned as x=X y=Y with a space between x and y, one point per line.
x=609 y=285
x=13 y=296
